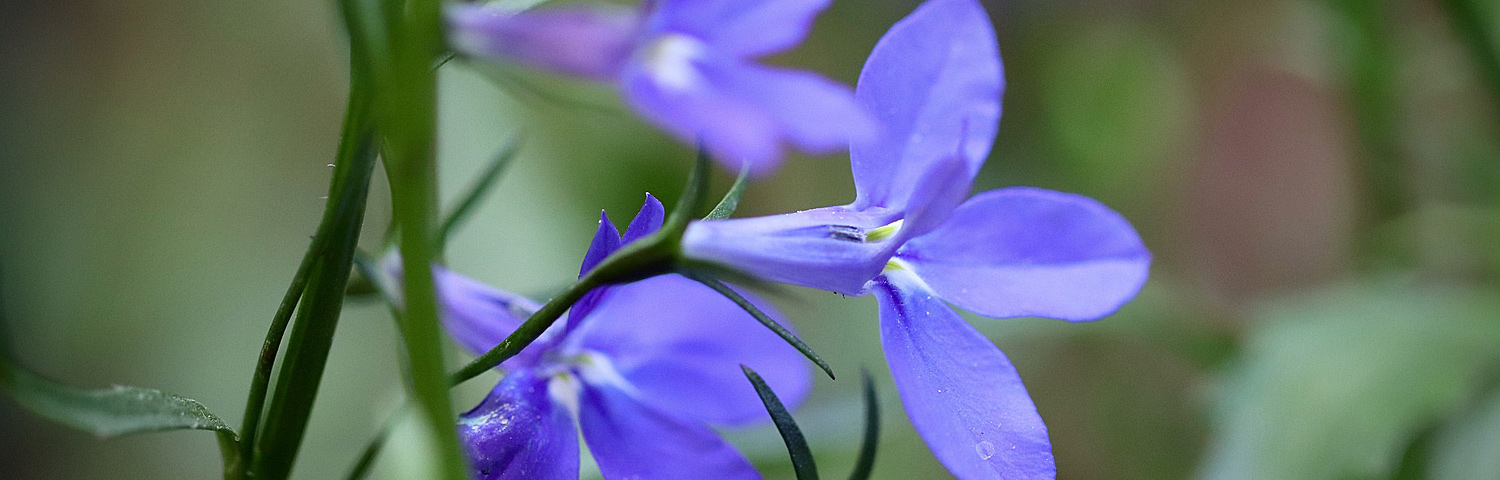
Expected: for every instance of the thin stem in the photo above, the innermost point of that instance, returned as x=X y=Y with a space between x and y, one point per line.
x=409 y=121
x=372 y=450
x=528 y=332
x=1473 y=27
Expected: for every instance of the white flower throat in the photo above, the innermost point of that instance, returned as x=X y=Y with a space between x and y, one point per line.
x=671 y=59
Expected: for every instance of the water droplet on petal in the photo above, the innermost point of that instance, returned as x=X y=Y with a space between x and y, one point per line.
x=985 y=450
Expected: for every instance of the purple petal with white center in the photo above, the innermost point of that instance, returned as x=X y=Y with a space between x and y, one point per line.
x=586 y=42
x=476 y=315
x=934 y=84
x=647 y=221
x=822 y=248
x=1030 y=252
x=960 y=392
x=630 y=439
x=680 y=345
x=745 y=113
x=744 y=28
x=519 y=433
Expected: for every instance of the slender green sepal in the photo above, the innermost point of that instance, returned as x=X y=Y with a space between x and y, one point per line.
x=761 y=317
x=796 y=445
x=731 y=200
x=476 y=192
x=692 y=199
x=865 y=462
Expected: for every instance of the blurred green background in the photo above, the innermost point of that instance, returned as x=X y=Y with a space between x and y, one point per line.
x=1319 y=181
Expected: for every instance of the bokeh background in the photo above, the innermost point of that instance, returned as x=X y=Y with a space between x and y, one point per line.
x=1319 y=181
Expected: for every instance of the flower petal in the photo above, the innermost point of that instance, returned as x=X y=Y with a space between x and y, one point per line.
x=519 y=433
x=630 y=439
x=606 y=241
x=476 y=315
x=586 y=42
x=820 y=248
x=934 y=84
x=940 y=190
x=1031 y=252
x=746 y=28
x=960 y=392
x=744 y=113
x=817 y=114
x=680 y=345
x=647 y=221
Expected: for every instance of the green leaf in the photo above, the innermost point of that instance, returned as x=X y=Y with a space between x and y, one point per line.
x=796 y=445
x=780 y=331
x=476 y=192
x=1334 y=385
x=107 y=412
x=865 y=463
x=731 y=200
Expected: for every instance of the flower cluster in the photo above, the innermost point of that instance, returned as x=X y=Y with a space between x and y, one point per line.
x=656 y=359
x=631 y=360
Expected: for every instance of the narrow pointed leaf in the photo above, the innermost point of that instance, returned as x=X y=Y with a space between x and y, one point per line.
x=485 y=183
x=796 y=445
x=865 y=463
x=731 y=200
x=106 y=412
x=764 y=319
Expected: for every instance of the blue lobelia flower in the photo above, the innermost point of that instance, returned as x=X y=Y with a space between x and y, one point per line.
x=640 y=368
x=686 y=65
x=935 y=81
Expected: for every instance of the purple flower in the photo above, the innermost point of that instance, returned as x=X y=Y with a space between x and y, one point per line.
x=935 y=82
x=640 y=368
x=687 y=66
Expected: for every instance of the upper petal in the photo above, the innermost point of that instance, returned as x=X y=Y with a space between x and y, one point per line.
x=746 y=28
x=933 y=84
x=745 y=113
x=647 y=220
x=821 y=248
x=519 y=433
x=586 y=42
x=680 y=344
x=960 y=392
x=1031 y=252
x=631 y=439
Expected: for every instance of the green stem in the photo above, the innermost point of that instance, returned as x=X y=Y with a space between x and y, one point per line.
x=316 y=319
x=372 y=450
x=1372 y=93
x=409 y=121
x=1470 y=24
x=260 y=382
